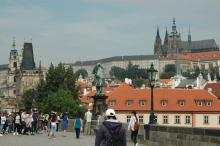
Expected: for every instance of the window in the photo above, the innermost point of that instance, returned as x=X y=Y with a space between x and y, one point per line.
x=15 y=79
x=14 y=91
x=177 y=119
x=128 y=118
x=188 y=119
x=129 y=102
x=165 y=119
x=15 y=64
x=112 y=102
x=163 y=102
x=181 y=102
x=142 y=102
x=208 y=103
x=141 y=119
x=155 y=118
x=199 y=103
x=206 y=119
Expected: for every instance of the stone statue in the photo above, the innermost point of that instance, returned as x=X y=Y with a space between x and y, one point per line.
x=99 y=80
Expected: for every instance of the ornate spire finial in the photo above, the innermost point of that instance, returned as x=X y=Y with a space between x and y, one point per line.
x=13 y=45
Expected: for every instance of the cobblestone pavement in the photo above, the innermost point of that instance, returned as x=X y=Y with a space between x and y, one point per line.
x=42 y=140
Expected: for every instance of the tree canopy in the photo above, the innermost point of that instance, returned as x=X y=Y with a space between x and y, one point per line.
x=58 y=92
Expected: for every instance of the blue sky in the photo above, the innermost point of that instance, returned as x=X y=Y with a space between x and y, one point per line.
x=71 y=30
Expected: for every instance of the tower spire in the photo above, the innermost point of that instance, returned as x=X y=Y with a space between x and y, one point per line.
x=174 y=31
x=189 y=36
x=13 y=45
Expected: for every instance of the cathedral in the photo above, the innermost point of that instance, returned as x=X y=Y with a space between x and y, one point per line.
x=22 y=74
x=173 y=44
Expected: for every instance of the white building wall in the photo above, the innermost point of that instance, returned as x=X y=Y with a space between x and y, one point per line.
x=212 y=118
x=196 y=120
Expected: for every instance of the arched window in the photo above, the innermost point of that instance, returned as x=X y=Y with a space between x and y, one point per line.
x=15 y=64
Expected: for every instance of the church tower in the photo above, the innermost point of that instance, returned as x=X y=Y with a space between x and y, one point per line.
x=174 y=41
x=158 y=44
x=14 y=67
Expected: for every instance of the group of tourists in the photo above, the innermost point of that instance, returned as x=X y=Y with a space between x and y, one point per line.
x=109 y=131
x=31 y=123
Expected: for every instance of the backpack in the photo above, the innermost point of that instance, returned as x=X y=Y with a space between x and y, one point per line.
x=115 y=139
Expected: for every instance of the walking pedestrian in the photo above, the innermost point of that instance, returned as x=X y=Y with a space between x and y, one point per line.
x=78 y=126
x=134 y=132
x=88 y=118
x=64 y=123
x=111 y=131
x=17 y=124
x=53 y=120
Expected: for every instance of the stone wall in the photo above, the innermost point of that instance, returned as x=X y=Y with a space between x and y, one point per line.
x=181 y=136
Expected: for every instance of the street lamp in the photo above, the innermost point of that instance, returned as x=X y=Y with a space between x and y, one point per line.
x=151 y=78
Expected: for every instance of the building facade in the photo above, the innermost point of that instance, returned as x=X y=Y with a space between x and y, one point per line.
x=172 y=107
x=18 y=76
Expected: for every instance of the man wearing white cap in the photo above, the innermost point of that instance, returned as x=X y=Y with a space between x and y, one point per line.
x=111 y=131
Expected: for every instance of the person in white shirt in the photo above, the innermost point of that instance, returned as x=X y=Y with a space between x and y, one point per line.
x=3 y=123
x=134 y=132
x=88 y=118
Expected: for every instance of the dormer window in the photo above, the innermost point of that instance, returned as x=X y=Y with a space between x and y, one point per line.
x=129 y=102
x=199 y=103
x=112 y=102
x=163 y=102
x=142 y=102
x=208 y=103
x=181 y=103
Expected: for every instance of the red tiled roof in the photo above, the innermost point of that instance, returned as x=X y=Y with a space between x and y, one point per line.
x=125 y=92
x=214 y=55
x=202 y=56
x=215 y=88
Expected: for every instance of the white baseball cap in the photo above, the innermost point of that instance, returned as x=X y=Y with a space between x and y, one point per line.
x=110 y=112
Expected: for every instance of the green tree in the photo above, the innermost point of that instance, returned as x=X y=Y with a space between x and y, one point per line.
x=118 y=73
x=70 y=82
x=81 y=71
x=27 y=99
x=132 y=71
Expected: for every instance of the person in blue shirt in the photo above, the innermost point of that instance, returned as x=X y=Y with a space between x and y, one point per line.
x=77 y=125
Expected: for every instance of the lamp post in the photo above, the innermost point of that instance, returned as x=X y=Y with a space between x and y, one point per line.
x=151 y=77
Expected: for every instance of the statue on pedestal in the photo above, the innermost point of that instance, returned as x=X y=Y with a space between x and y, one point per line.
x=99 y=80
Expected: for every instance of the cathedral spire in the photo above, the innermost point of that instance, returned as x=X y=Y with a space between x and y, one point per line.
x=174 y=31
x=158 y=34
x=157 y=43
x=166 y=38
x=13 y=45
x=189 y=36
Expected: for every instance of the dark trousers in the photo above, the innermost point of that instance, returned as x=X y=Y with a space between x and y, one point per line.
x=134 y=136
x=17 y=127
x=77 y=132
x=34 y=126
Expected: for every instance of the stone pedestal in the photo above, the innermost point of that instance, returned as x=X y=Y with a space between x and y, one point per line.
x=99 y=105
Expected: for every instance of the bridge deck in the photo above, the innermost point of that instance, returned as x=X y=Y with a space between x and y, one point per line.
x=42 y=140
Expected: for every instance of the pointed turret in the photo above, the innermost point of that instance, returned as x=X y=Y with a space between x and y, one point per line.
x=28 y=57
x=166 y=38
x=157 y=44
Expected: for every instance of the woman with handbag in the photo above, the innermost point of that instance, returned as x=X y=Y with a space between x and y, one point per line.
x=133 y=126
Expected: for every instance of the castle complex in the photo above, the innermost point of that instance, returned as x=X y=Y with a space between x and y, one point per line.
x=174 y=45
